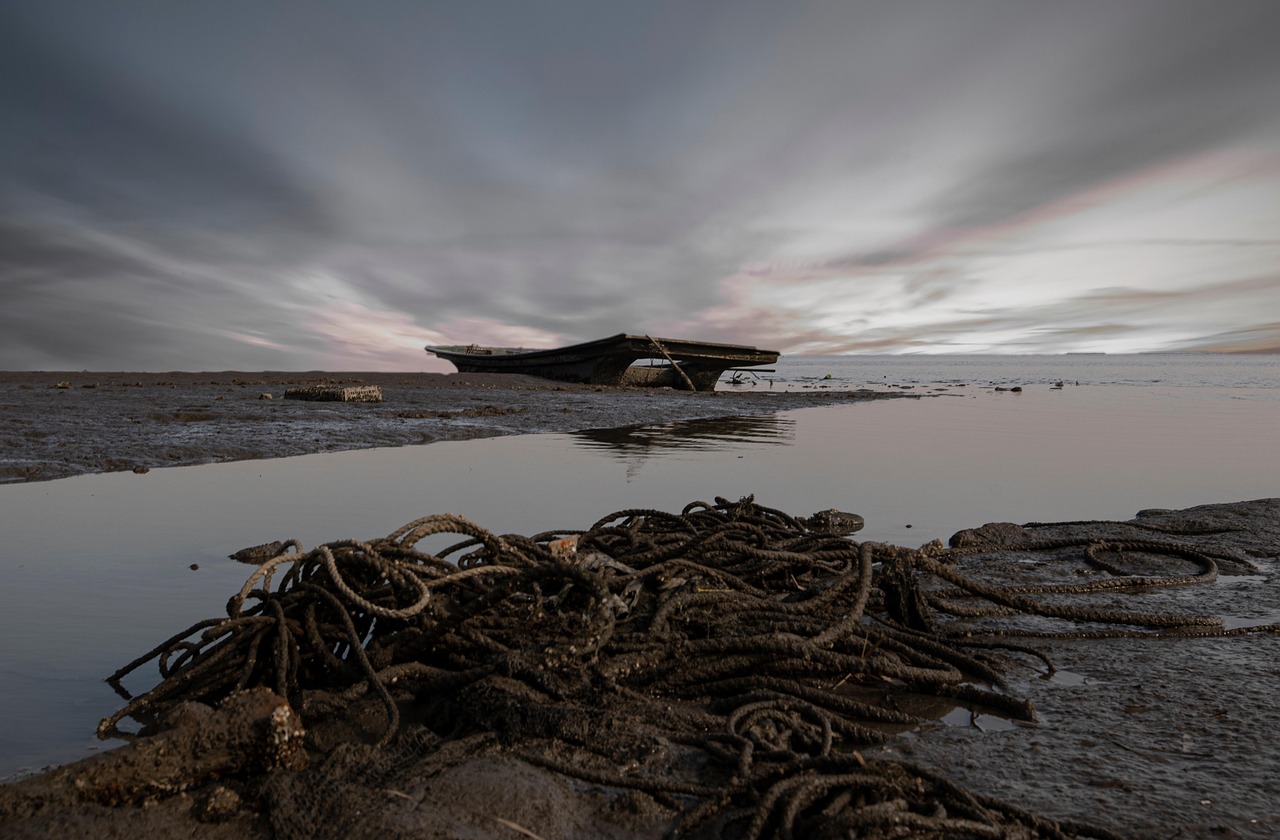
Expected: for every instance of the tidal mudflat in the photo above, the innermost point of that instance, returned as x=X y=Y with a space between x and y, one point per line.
x=115 y=552
x=54 y=425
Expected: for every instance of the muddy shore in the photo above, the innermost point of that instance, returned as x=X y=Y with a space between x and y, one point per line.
x=1136 y=734
x=1159 y=737
x=141 y=421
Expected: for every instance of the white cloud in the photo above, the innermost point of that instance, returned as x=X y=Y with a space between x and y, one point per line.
x=1194 y=225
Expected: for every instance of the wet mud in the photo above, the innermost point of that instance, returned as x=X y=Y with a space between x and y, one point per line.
x=1170 y=735
x=723 y=671
x=54 y=425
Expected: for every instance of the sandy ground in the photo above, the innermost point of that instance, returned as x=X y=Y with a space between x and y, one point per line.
x=145 y=420
x=1146 y=738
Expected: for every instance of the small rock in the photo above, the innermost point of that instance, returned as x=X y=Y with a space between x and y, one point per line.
x=265 y=396
x=993 y=533
x=258 y=554
x=186 y=713
x=217 y=804
x=564 y=548
x=835 y=522
x=141 y=470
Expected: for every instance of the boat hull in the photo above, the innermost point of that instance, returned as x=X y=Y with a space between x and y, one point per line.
x=611 y=361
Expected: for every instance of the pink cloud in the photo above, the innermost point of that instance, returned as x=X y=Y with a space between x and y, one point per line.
x=998 y=287
x=361 y=338
x=257 y=341
x=486 y=331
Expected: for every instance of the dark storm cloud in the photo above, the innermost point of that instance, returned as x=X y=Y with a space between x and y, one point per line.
x=95 y=144
x=447 y=161
x=115 y=210
x=221 y=185
x=1171 y=79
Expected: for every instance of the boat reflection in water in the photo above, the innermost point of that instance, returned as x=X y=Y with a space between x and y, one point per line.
x=634 y=444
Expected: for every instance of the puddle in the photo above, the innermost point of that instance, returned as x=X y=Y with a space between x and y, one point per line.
x=1235 y=622
x=932 y=712
x=961 y=716
x=1228 y=580
x=1061 y=677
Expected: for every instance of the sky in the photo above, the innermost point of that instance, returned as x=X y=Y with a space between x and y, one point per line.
x=333 y=185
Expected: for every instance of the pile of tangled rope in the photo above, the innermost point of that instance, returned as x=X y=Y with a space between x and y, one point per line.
x=769 y=648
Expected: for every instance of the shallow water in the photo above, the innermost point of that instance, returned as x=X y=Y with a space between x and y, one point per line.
x=1215 y=370
x=98 y=568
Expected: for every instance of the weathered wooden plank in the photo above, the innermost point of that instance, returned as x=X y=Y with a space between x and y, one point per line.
x=335 y=393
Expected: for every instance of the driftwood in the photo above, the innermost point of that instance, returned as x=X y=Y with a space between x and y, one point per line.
x=335 y=393
x=687 y=381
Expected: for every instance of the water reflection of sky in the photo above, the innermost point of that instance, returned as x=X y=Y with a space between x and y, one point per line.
x=97 y=568
x=1194 y=370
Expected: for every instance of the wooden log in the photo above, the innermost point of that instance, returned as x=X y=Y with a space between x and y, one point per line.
x=667 y=356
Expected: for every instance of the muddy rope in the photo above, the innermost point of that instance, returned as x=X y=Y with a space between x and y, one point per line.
x=761 y=645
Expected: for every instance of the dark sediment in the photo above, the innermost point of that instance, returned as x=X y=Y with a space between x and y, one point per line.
x=111 y=422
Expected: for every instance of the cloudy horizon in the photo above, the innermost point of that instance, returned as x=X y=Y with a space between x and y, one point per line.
x=299 y=186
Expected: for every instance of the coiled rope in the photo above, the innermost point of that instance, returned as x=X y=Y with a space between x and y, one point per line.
x=734 y=630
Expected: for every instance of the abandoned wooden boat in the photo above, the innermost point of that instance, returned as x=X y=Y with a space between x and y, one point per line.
x=688 y=365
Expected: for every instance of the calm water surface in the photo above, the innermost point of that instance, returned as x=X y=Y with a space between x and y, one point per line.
x=97 y=569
